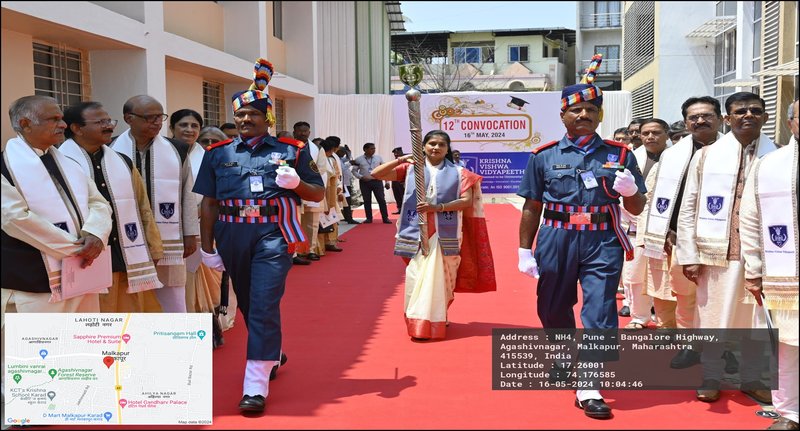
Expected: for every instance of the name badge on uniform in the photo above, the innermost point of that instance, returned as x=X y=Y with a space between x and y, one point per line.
x=256 y=183
x=589 y=180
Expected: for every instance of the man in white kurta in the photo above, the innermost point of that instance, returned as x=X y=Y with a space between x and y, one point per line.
x=634 y=272
x=769 y=228
x=50 y=210
x=709 y=247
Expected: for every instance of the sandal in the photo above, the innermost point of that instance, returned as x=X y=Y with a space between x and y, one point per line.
x=635 y=325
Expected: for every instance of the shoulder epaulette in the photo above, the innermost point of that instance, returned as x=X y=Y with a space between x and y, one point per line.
x=293 y=142
x=543 y=146
x=219 y=144
x=624 y=150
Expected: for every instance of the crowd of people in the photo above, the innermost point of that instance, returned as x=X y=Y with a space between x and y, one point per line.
x=699 y=222
x=684 y=219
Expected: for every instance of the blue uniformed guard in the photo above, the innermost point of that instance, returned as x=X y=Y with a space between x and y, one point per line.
x=576 y=184
x=251 y=187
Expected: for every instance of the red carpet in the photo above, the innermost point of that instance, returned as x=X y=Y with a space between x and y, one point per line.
x=352 y=366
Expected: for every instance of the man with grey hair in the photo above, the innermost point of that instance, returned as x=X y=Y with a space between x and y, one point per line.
x=51 y=210
x=164 y=165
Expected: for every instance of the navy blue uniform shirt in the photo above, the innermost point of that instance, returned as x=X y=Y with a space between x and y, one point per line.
x=226 y=170
x=553 y=174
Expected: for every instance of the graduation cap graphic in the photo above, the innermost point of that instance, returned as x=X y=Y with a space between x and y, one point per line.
x=516 y=103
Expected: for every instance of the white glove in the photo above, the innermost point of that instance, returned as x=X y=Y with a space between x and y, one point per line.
x=213 y=261
x=625 y=184
x=527 y=263
x=287 y=178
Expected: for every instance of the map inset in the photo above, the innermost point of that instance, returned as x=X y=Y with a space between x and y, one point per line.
x=110 y=368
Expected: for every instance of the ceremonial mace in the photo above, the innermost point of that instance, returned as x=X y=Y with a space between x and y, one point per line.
x=411 y=75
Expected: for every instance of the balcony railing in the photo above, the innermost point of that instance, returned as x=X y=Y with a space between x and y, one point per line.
x=601 y=20
x=609 y=66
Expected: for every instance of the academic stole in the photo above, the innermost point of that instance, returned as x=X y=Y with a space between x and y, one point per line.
x=139 y=266
x=671 y=170
x=776 y=198
x=719 y=165
x=165 y=192
x=46 y=199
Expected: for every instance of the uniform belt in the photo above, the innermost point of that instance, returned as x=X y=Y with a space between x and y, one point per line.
x=577 y=217
x=248 y=210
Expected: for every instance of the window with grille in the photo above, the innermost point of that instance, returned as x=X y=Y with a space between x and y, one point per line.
x=61 y=73
x=610 y=54
x=277 y=19
x=518 y=53
x=639 y=46
x=212 y=104
x=642 y=100
x=280 y=115
x=474 y=54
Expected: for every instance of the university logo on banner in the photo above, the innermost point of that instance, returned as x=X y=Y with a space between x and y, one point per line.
x=714 y=204
x=131 y=231
x=662 y=204
x=167 y=209
x=778 y=235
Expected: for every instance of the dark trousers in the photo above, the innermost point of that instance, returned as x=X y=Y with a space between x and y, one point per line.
x=255 y=256
x=347 y=211
x=567 y=256
x=398 y=189
x=367 y=188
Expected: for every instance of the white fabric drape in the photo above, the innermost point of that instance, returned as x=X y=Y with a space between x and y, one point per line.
x=357 y=119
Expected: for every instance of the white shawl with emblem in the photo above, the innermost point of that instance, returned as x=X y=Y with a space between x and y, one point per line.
x=139 y=266
x=776 y=204
x=48 y=200
x=669 y=173
x=165 y=192
x=719 y=170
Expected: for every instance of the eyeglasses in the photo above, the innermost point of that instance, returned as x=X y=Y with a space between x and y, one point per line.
x=208 y=141
x=155 y=118
x=706 y=117
x=743 y=111
x=106 y=122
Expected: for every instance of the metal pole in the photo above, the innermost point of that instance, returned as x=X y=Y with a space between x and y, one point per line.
x=411 y=75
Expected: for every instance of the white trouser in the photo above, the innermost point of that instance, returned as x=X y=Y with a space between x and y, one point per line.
x=172 y=299
x=785 y=399
x=256 y=377
x=634 y=275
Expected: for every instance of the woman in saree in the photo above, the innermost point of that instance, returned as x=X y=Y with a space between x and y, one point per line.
x=454 y=215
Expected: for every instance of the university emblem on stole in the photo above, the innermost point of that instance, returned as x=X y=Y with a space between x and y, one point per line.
x=167 y=209
x=411 y=215
x=662 y=204
x=714 y=204
x=778 y=235
x=131 y=231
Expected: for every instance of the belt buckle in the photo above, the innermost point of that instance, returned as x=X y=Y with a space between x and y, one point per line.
x=580 y=218
x=249 y=211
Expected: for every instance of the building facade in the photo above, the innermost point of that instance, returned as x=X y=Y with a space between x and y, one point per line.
x=676 y=50
x=499 y=60
x=194 y=54
x=599 y=31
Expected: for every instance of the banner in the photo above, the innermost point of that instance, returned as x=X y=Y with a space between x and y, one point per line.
x=495 y=132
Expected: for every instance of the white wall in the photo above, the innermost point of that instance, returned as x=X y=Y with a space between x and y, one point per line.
x=336 y=57
x=685 y=65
